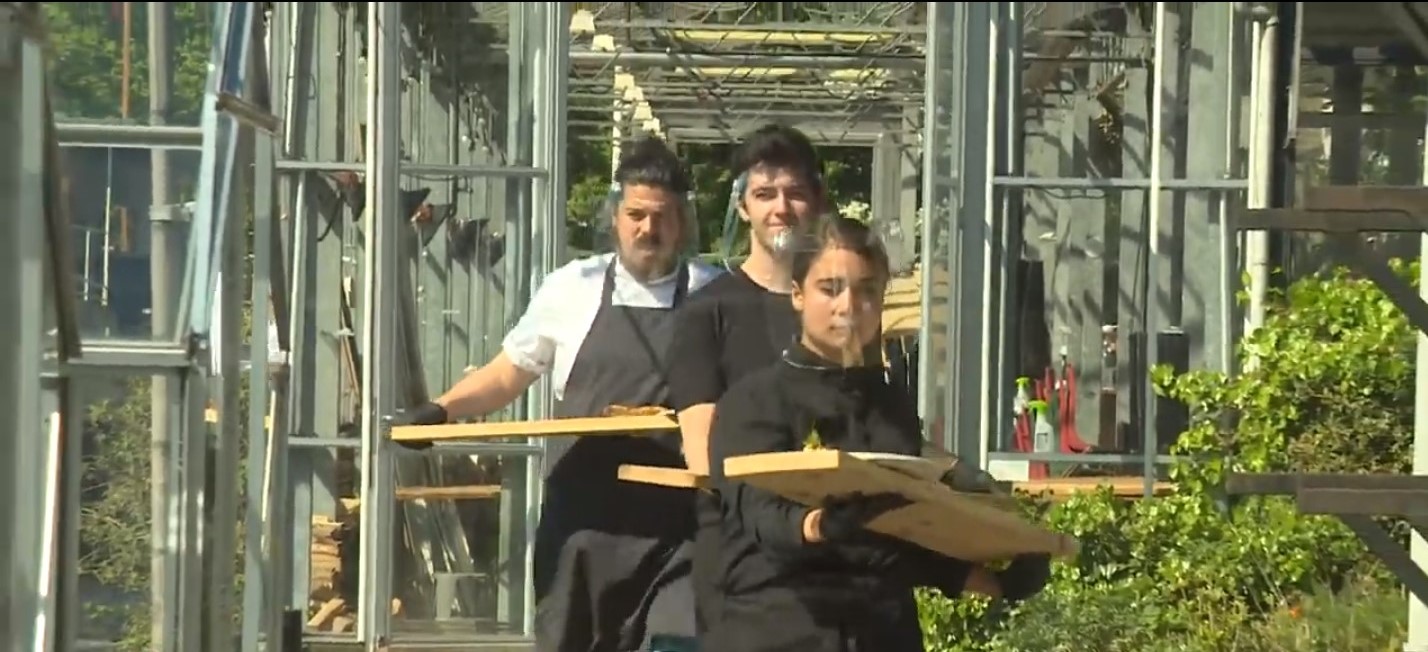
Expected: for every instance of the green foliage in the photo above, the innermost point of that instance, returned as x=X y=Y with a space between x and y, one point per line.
x=1327 y=387
x=115 y=517
x=87 y=63
x=846 y=171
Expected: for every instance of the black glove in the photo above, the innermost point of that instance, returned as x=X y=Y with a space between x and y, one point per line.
x=845 y=516
x=1025 y=577
x=426 y=414
x=970 y=479
x=938 y=571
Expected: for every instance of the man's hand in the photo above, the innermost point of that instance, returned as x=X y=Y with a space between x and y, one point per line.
x=426 y=414
x=843 y=518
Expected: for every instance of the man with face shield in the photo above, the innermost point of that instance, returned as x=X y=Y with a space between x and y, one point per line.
x=743 y=320
x=612 y=558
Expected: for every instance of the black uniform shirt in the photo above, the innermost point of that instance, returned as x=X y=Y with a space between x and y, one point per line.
x=730 y=327
x=778 y=590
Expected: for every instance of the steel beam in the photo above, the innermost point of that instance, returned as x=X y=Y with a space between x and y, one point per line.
x=1354 y=499
x=379 y=319
x=663 y=26
x=119 y=136
x=25 y=616
x=674 y=60
x=290 y=166
x=822 y=134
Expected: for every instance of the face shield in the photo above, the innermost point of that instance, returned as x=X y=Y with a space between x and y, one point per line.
x=604 y=238
x=781 y=244
x=841 y=294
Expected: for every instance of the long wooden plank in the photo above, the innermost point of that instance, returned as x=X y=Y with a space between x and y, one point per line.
x=458 y=492
x=955 y=524
x=624 y=425
x=665 y=476
x=1062 y=488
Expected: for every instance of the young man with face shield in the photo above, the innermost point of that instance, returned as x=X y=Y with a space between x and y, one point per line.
x=611 y=558
x=743 y=320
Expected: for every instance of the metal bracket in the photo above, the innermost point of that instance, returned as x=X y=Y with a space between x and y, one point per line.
x=1355 y=499
x=1344 y=213
x=9 y=36
x=250 y=114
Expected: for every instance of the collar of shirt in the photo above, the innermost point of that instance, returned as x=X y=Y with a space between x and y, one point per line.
x=632 y=292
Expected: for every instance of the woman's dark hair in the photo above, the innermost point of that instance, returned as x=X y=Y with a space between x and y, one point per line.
x=780 y=146
x=650 y=162
x=842 y=233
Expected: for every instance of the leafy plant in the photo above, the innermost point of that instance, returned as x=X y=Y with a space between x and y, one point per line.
x=1327 y=388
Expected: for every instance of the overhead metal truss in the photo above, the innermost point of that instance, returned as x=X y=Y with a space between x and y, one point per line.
x=729 y=66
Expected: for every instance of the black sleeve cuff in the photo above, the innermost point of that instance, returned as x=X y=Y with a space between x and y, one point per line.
x=950 y=576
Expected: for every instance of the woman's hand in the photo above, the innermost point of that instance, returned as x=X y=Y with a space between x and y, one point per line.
x=983 y=581
x=1025 y=577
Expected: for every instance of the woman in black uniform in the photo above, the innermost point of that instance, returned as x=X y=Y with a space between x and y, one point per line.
x=813 y=579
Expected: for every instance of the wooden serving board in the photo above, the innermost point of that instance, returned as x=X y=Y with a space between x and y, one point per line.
x=967 y=526
x=665 y=476
x=594 y=426
x=924 y=468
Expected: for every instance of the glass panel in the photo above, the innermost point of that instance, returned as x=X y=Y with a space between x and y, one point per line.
x=117 y=578
x=462 y=237
x=217 y=165
x=937 y=217
x=326 y=538
x=97 y=74
x=467 y=574
x=126 y=253
x=459 y=565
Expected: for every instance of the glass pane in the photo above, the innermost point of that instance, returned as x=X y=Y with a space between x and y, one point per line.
x=938 y=216
x=217 y=167
x=100 y=75
x=462 y=238
x=459 y=550
x=464 y=572
x=127 y=253
x=325 y=545
x=116 y=572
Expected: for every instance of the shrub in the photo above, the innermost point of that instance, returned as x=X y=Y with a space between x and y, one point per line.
x=1329 y=390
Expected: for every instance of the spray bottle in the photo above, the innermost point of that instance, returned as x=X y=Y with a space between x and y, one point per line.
x=1043 y=437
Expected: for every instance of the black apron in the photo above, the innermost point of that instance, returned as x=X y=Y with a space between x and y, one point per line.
x=612 y=558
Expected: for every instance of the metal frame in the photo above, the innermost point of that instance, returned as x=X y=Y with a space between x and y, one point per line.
x=665 y=52
x=190 y=606
x=1355 y=499
x=289 y=482
x=973 y=56
x=27 y=619
x=976 y=178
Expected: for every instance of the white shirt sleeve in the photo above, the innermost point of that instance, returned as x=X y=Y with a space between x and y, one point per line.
x=532 y=343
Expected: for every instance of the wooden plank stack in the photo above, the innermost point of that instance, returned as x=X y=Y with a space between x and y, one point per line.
x=331 y=607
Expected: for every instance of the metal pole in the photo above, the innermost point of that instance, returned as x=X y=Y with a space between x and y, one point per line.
x=111 y=136
x=162 y=291
x=927 y=363
x=1261 y=168
x=990 y=391
x=23 y=614
x=1150 y=441
x=379 y=318
x=1418 y=546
